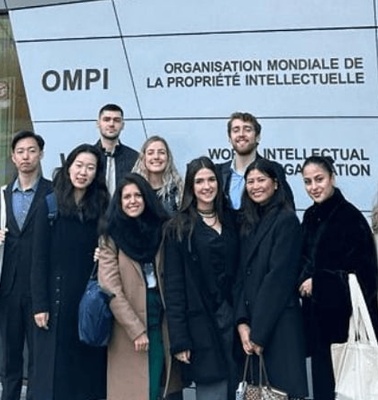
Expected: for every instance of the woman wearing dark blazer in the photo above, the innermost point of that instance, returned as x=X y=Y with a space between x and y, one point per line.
x=268 y=312
x=337 y=240
x=201 y=253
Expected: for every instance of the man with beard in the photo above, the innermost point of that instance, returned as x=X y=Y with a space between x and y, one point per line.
x=118 y=158
x=244 y=135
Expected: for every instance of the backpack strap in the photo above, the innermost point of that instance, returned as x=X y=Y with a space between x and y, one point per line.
x=52 y=206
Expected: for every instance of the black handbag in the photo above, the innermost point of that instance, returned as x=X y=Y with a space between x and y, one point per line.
x=95 y=316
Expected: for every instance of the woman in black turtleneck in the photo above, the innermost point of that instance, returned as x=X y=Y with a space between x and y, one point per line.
x=337 y=241
x=268 y=314
x=129 y=268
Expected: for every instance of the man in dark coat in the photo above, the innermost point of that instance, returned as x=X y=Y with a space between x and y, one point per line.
x=22 y=196
x=244 y=132
x=117 y=158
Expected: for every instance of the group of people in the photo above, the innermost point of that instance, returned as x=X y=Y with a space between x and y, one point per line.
x=204 y=272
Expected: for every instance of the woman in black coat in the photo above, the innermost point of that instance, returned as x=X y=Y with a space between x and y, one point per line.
x=268 y=313
x=62 y=262
x=201 y=256
x=337 y=240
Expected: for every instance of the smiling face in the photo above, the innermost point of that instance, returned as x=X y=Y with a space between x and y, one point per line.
x=205 y=188
x=132 y=201
x=243 y=137
x=83 y=171
x=319 y=184
x=260 y=187
x=156 y=158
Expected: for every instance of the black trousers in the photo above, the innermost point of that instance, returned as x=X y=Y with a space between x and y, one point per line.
x=16 y=326
x=323 y=380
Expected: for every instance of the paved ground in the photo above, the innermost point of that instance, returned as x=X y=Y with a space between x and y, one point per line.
x=189 y=393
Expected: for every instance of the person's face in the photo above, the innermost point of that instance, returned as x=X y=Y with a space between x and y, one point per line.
x=243 y=137
x=132 y=201
x=26 y=155
x=319 y=184
x=83 y=171
x=110 y=124
x=205 y=188
x=260 y=187
x=156 y=157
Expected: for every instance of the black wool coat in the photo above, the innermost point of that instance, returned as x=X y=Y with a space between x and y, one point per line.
x=191 y=321
x=337 y=241
x=267 y=297
x=64 y=367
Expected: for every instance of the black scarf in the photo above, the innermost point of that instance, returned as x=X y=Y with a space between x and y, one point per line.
x=139 y=238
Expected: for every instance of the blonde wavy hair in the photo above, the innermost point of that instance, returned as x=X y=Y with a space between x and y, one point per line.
x=171 y=178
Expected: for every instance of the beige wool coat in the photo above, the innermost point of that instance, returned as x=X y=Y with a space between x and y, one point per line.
x=127 y=375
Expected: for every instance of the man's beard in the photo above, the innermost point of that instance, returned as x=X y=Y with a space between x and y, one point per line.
x=245 y=151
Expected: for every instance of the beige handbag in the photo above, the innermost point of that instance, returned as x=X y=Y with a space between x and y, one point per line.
x=262 y=391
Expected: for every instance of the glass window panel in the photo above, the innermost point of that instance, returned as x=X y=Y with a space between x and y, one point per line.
x=14 y=111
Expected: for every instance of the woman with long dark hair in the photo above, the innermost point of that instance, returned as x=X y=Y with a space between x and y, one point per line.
x=268 y=314
x=130 y=268
x=201 y=256
x=337 y=241
x=65 y=240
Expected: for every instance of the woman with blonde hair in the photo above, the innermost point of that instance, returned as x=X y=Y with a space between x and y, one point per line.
x=155 y=163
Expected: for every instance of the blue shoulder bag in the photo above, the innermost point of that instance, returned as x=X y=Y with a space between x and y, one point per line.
x=95 y=316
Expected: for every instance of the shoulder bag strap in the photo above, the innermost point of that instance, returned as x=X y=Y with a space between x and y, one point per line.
x=360 y=325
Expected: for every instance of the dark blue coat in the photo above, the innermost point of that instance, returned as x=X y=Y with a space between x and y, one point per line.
x=18 y=244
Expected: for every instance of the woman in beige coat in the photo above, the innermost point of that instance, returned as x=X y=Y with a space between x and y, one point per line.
x=128 y=268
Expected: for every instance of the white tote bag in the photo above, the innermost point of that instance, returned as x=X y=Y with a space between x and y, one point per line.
x=355 y=363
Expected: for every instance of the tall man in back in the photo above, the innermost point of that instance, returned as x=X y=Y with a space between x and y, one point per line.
x=244 y=133
x=22 y=196
x=118 y=158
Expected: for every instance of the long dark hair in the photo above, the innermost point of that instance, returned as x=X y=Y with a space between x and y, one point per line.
x=153 y=209
x=324 y=162
x=185 y=220
x=138 y=237
x=96 y=198
x=250 y=212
